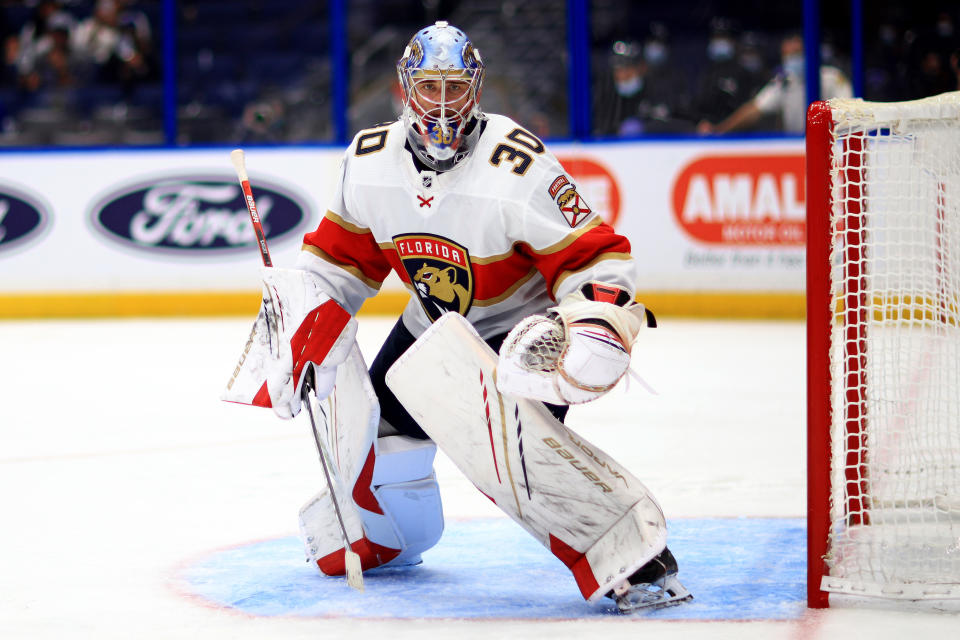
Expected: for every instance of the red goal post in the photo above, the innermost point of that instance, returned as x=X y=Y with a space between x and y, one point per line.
x=883 y=353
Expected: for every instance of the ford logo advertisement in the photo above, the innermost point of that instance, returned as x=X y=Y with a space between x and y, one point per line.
x=22 y=218
x=197 y=215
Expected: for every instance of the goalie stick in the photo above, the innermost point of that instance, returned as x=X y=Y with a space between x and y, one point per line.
x=239 y=165
x=354 y=571
x=351 y=559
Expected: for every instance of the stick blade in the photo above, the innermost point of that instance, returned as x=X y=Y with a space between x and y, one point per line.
x=354 y=571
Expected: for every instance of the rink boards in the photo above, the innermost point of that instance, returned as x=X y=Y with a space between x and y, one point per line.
x=717 y=226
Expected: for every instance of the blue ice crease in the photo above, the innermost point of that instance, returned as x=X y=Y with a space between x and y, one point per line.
x=489 y=568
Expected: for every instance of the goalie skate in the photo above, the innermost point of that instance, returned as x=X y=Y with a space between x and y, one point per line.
x=654 y=586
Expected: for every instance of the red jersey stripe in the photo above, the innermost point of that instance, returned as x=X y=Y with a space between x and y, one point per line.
x=349 y=247
x=496 y=278
x=597 y=244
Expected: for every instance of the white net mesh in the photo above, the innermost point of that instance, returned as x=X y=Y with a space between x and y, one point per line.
x=895 y=352
x=538 y=344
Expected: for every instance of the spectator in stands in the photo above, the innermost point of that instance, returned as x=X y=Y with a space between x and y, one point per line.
x=637 y=98
x=113 y=41
x=59 y=65
x=43 y=52
x=670 y=93
x=724 y=83
x=930 y=72
x=142 y=64
x=785 y=94
x=137 y=23
x=263 y=121
x=932 y=77
x=102 y=42
x=751 y=57
x=617 y=101
x=11 y=51
x=942 y=37
x=885 y=62
x=8 y=76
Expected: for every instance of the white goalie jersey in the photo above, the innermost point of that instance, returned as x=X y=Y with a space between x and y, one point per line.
x=503 y=235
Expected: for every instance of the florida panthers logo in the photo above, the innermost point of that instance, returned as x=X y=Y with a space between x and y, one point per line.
x=439 y=272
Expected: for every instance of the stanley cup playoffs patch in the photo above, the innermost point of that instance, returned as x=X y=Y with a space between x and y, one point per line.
x=572 y=205
x=439 y=270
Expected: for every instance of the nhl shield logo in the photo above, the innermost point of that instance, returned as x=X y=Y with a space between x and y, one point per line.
x=439 y=270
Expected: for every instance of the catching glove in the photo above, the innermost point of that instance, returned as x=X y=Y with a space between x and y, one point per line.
x=576 y=352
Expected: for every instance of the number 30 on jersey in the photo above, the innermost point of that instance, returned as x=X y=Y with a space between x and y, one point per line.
x=521 y=159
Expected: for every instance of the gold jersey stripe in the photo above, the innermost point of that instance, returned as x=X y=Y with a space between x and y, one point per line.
x=496 y=258
x=569 y=239
x=343 y=224
x=489 y=302
x=554 y=248
x=603 y=256
x=354 y=271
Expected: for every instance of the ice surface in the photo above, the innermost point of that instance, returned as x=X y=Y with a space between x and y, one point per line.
x=121 y=472
x=490 y=568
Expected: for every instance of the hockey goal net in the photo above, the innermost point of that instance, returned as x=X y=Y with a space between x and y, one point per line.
x=883 y=352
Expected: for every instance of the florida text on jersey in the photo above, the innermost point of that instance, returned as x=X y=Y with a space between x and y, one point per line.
x=501 y=236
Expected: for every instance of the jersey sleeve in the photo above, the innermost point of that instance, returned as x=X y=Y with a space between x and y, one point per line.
x=768 y=99
x=834 y=83
x=343 y=253
x=568 y=241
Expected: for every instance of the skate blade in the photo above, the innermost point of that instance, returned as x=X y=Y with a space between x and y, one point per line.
x=644 y=598
x=354 y=571
x=653 y=606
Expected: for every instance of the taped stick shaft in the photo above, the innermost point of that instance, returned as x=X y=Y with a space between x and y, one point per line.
x=239 y=165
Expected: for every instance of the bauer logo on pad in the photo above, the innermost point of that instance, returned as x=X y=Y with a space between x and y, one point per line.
x=439 y=270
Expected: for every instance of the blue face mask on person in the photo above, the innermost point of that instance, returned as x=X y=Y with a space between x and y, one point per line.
x=720 y=49
x=655 y=52
x=793 y=64
x=630 y=86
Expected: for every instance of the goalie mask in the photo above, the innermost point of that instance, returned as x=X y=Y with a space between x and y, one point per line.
x=440 y=74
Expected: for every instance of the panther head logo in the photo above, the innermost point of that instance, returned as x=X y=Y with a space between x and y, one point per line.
x=439 y=272
x=440 y=285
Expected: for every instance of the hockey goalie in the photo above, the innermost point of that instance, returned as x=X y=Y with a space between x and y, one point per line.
x=522 y=304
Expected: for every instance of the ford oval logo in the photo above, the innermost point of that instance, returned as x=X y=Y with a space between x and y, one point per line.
x=196 y=215
x=21 y=218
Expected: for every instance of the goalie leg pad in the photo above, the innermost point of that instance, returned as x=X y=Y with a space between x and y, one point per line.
x=348 y=419
x=386 y=489
x=405 y=519
x=578 y=502
x=407 y=490
x=323 y=541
